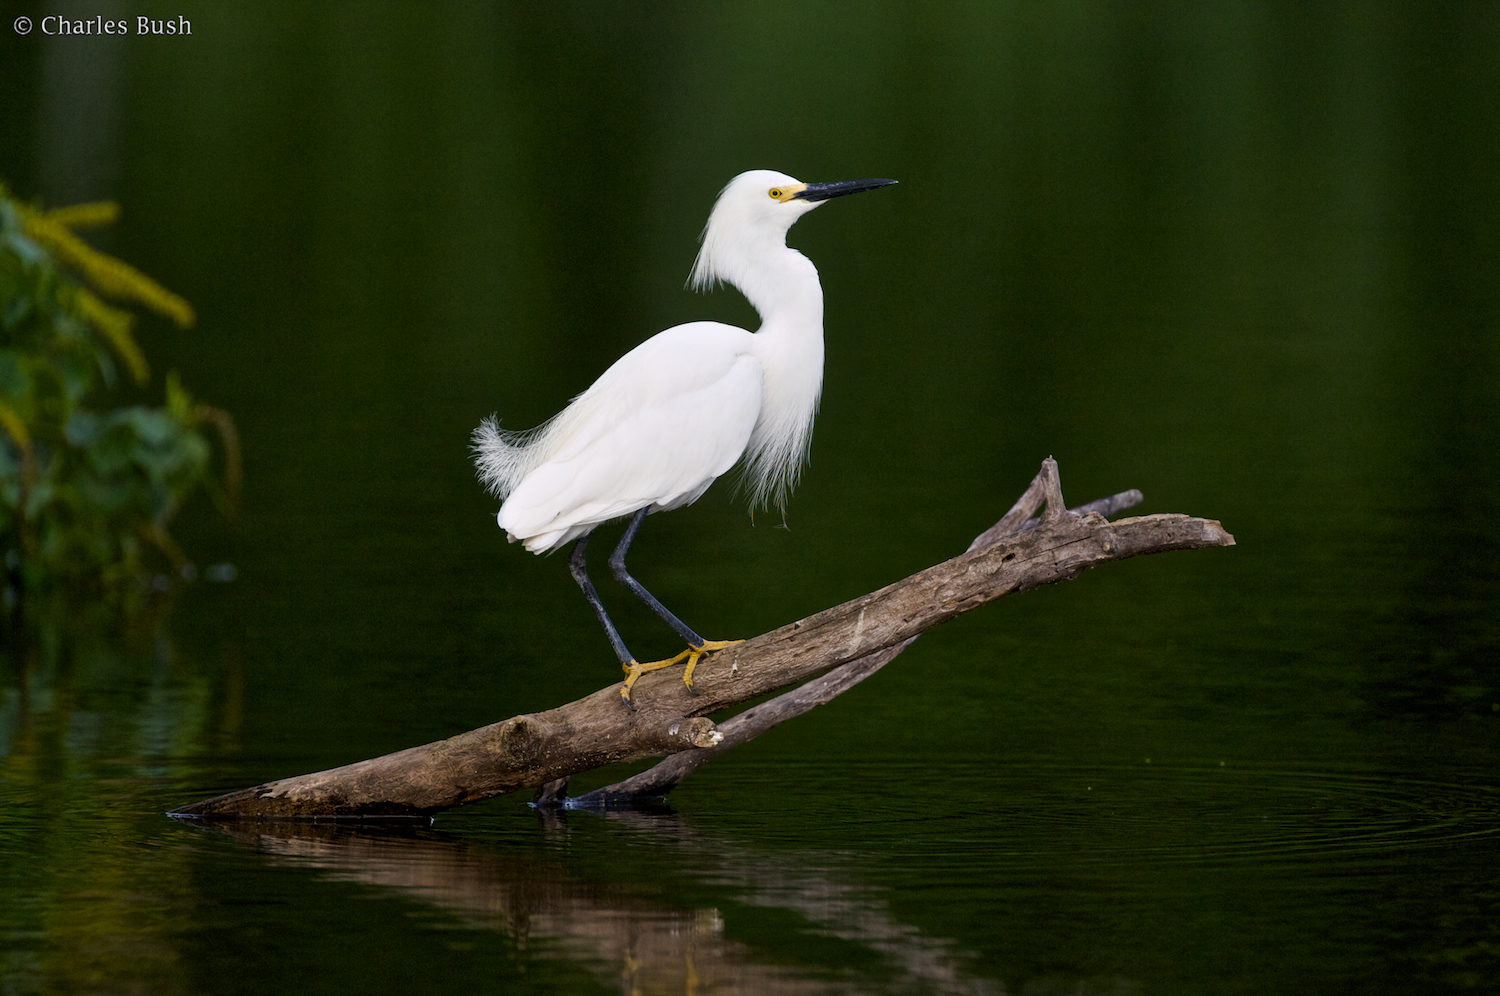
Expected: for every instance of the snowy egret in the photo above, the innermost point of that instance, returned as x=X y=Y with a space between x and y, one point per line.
x=681 y=408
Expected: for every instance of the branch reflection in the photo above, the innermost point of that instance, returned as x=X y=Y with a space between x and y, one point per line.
x=626 y=934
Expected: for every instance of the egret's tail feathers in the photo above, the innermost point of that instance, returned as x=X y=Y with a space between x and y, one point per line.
x=502 y=458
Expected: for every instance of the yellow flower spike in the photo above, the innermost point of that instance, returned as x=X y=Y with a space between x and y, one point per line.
x=179 y=402
x=229 y=436
x=114 y=325
x=90 y=215
x=16 y=427
x=113 y=277
x=12 y=423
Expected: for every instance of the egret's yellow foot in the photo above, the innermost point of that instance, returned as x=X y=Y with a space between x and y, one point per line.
x=693 y=653
x=635 y=669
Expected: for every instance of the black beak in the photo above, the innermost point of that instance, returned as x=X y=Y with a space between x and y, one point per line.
x=823 y=191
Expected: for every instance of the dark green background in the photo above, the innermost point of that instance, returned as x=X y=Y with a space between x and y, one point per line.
x=1242 y=256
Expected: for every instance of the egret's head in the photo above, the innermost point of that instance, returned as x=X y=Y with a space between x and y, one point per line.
x=756 y=207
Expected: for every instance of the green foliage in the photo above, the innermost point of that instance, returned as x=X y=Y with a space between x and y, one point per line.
x=86 y=492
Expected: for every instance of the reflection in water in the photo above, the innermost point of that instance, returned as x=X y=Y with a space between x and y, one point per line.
x=618 y=932
x=83 y=686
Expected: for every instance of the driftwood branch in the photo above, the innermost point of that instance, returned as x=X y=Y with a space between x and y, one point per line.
x=1015 y=555
x=765 y=716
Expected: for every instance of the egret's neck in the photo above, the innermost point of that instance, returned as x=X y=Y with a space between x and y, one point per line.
x=782 y=285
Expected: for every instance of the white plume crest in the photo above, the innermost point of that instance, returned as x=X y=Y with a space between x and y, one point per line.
x=743 y=224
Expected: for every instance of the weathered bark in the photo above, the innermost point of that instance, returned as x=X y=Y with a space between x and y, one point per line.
x=596 y=730
x=765 y=716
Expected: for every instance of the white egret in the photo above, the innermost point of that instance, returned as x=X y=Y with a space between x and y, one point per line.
x=681 y=408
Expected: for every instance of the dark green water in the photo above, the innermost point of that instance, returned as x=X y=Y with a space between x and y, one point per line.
x=1240 y=256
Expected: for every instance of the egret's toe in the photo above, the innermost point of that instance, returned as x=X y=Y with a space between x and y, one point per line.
x=693 y=653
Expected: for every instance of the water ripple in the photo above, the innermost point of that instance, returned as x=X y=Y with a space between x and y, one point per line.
x=1023 y=816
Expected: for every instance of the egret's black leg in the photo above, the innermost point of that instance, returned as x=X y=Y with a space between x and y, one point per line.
x=697 y=646
x=617 y=567
x=580 y=573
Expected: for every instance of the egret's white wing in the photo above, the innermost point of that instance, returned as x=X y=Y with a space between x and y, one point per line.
x=655 y=430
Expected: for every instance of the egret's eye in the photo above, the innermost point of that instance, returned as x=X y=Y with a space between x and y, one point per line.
x=775 y=193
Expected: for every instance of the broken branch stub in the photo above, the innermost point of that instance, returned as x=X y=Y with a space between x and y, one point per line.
x=538 y=748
